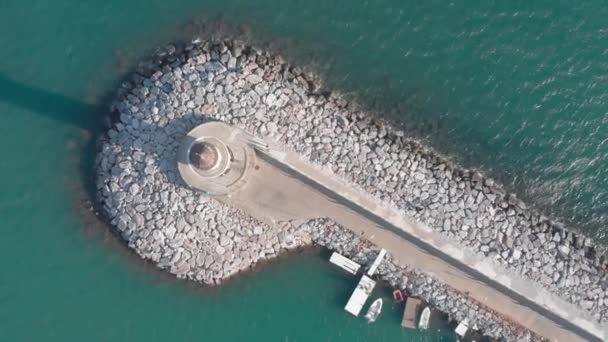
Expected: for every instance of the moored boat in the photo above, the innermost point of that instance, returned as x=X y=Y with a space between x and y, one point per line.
x=425 y=317
x=374 y=310
x=398 y=296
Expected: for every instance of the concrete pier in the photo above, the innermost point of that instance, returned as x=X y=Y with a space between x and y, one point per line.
x=205 y=200
x=284 y=187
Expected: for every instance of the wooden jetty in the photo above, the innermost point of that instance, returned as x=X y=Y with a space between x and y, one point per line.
x=412 y=306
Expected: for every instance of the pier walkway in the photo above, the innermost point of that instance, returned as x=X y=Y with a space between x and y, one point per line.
x=283 y=187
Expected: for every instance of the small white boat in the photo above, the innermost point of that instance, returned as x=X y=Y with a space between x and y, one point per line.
x=374 y=310
x=424 y=319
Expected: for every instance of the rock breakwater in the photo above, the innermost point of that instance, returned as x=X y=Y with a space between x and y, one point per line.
x=199 y=238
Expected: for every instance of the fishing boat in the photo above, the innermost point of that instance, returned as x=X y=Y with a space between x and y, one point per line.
x=398 y=296
x=374 y=310
x=424 y=319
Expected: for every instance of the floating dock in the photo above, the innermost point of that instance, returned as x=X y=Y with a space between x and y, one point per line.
x=462 y=328
x=412 y=306
x=364 y=288
x=344 y=263
x=359 y=297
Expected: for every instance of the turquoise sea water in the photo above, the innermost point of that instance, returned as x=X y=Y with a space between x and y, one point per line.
x=516 y=88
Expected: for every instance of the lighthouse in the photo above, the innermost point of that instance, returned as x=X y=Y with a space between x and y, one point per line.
x=215 y=159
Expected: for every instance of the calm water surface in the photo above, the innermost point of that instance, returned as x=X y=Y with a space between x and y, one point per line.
x=515 y=88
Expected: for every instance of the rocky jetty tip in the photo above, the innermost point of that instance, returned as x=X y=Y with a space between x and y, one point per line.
x=194 y=236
